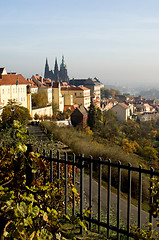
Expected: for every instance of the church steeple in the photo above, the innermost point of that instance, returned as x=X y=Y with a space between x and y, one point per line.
x=63 y=71
x=56 y=74
x=63 y=65
x=46 y=64
x=46 y=73
x=56 y=71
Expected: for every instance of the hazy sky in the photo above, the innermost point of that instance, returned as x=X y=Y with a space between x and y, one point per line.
x=116 y=41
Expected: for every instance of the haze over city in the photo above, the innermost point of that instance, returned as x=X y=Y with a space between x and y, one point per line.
x=115 y=41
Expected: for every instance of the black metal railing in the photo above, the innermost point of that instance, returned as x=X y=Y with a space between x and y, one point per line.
x=89 y=167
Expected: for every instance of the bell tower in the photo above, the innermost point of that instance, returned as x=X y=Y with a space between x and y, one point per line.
x=63 y=71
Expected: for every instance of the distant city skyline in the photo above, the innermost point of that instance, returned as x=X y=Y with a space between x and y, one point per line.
x=115 y=41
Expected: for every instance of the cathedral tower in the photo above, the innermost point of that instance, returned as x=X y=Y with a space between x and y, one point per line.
x=56 y=71
x=48 y=73
x=56 y=75
x=63 y=71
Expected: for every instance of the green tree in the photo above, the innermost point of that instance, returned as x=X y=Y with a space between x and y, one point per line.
x=13 y=112
x=91 y=116
x=7 y=115
x=150 y=153
x=39 y=100
x=106 y=92
x=110 y=129
x=21 y=114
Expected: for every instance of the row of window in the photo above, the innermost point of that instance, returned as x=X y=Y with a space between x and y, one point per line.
x=16 y=100
x=14 y=90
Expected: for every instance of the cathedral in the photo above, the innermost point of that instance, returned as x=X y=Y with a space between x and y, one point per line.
x=57 y=75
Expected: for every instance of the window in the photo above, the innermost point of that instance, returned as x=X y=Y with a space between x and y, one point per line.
x=8 y=90
x=13 y=90
x=3 y=91
x=75 y=93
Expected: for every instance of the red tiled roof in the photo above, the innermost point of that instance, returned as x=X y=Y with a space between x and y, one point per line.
x=32 y=83
x=37 y=77
x=124 y=105
x=11 y=79
x=146 y=105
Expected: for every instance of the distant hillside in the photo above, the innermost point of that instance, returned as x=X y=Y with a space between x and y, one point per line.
x=150 y=94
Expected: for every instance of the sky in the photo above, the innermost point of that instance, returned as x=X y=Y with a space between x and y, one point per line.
x=116 y=41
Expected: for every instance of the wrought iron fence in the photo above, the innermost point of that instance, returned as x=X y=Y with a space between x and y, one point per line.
x=92 y=168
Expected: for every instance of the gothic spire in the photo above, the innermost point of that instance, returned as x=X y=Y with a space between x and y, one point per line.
x=63 y=62
x=56 y=71
x=56 y=65
x=46 y=73
x=46 y=64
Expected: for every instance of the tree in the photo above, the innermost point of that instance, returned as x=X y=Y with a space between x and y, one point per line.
x=150 y=153
x=7 y=115
x=39 y=100
x=91 y=116
x=106 y=92
x=13 y=112
x=21 y=114
x=54 y=108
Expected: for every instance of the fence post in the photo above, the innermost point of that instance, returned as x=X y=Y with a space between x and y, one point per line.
x=108 y=197
x=51 y=167
x=66 y=182
x=129 y=200
x=151 y=198
x=73 y=182
x=58 y=168
x=140 y=197
x=44 y=155
x=81 y=189
x=118 y=200
x=29 y=175
x=90 y=190
x=99 y=193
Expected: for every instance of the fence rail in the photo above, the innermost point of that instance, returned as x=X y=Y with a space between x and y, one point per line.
x=90 y=166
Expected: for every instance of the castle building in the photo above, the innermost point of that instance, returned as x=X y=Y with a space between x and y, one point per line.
x=92 y=83
x=57 y=75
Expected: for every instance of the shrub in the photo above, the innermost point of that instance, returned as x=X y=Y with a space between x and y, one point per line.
x=29 y=208
x=154 y=209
